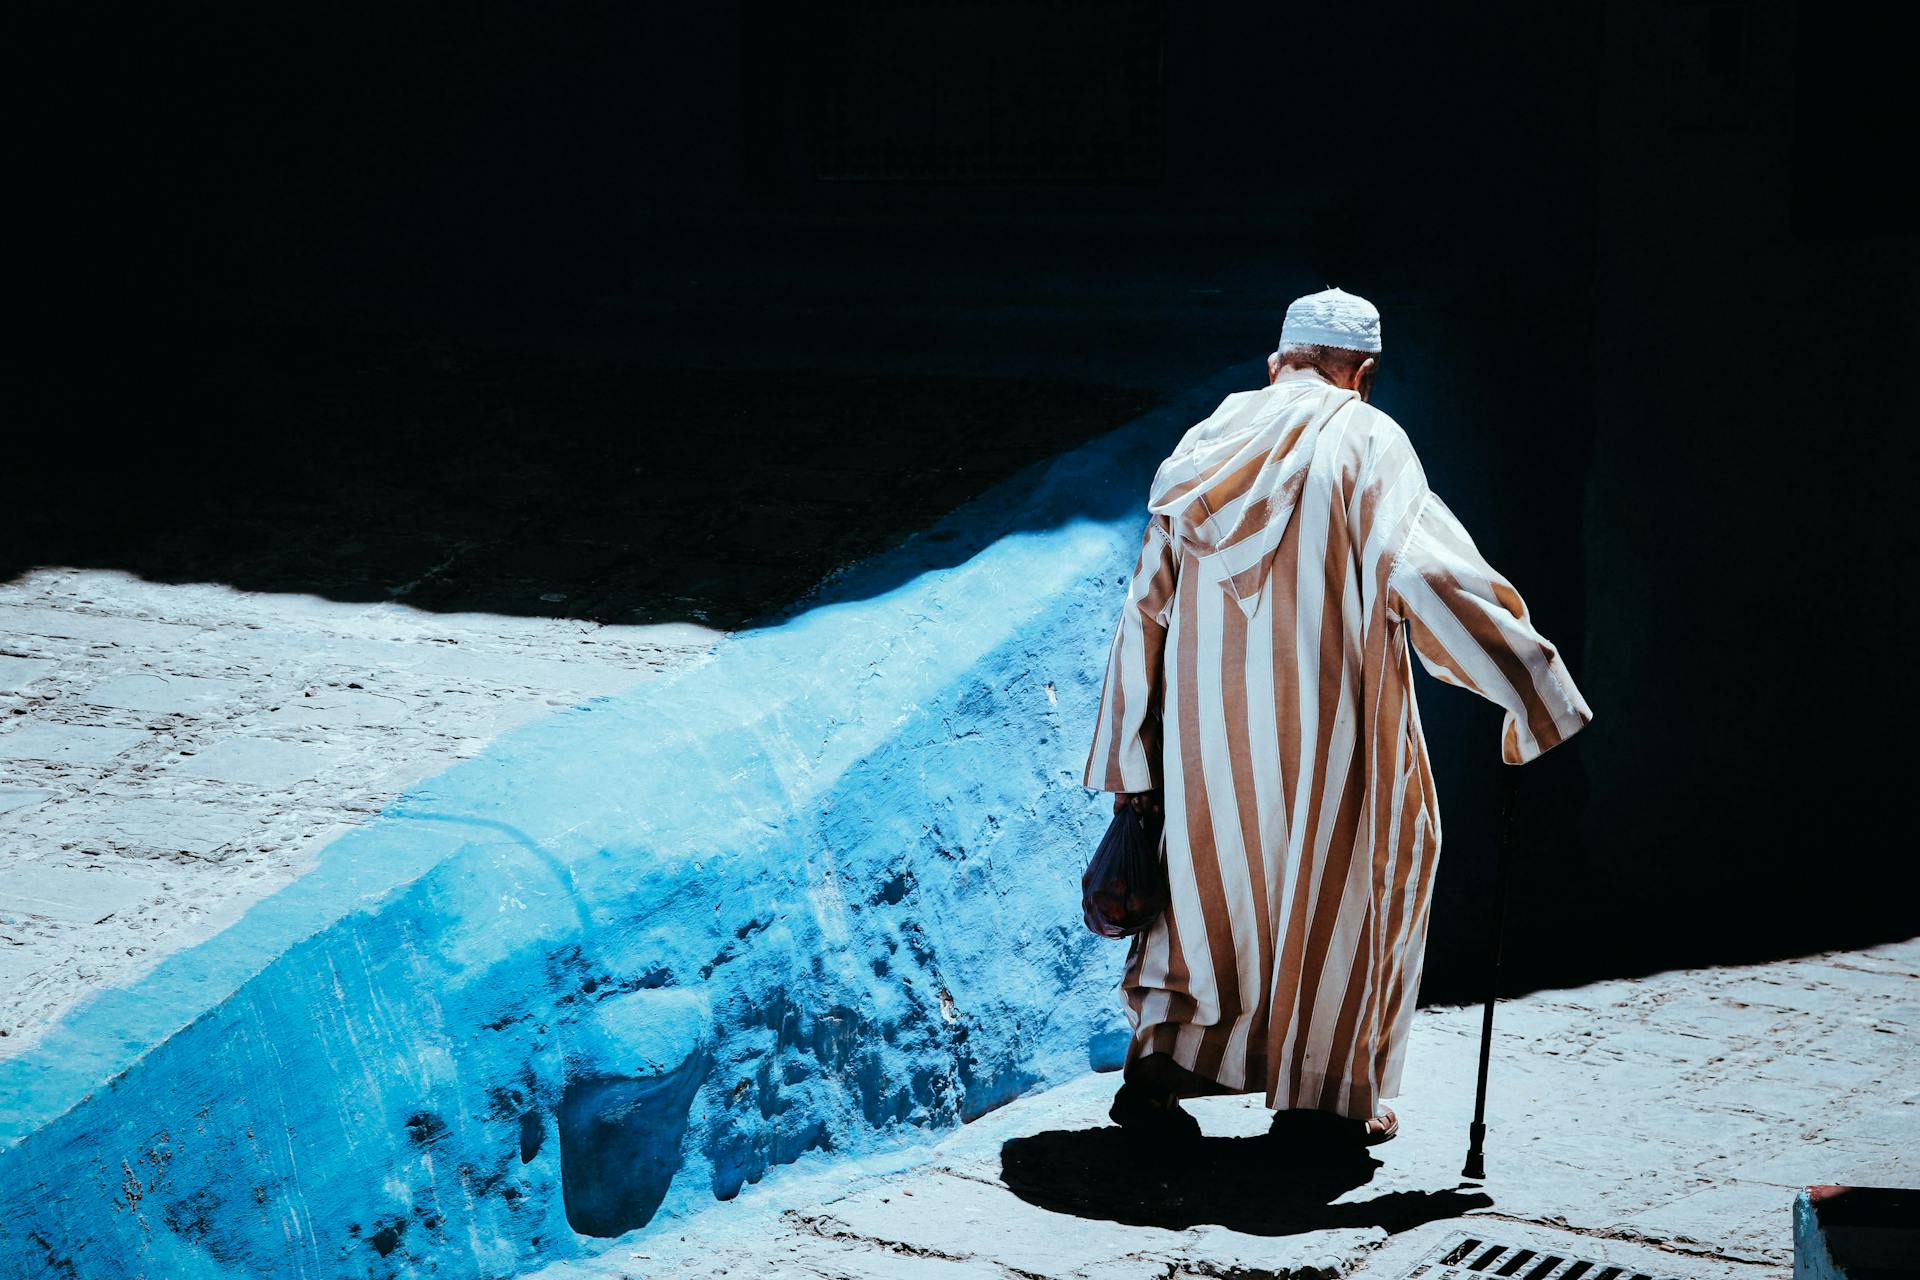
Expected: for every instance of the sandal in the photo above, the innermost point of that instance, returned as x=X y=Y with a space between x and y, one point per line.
x=1382 y=1128
x=1152 y=1115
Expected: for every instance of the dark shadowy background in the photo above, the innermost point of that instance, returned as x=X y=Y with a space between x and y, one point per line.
x=667 y=309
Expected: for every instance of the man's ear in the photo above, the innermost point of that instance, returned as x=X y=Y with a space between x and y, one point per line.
x=1363 y=377
x=1273 y=368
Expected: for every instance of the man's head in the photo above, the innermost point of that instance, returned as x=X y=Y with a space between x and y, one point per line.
x=1334 y=333
x=1341 y=366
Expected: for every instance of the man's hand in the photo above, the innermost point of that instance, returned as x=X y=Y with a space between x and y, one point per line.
x=1144 y=803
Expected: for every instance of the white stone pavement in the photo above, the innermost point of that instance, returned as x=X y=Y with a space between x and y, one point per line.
x=1663 y=1122
x=171 y=754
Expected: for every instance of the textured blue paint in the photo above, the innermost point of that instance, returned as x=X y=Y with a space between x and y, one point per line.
x=813 y=894
x=1811 y=1259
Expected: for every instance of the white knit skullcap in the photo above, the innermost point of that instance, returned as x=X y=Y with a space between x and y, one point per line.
x=1333 y=318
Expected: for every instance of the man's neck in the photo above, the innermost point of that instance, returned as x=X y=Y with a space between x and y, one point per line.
x=1297 y=372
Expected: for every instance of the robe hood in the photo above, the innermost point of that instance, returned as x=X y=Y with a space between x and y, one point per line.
x=1230 y=487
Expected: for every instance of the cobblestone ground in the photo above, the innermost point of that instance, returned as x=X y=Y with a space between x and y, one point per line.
x=170 y=754
x=1665 y=1122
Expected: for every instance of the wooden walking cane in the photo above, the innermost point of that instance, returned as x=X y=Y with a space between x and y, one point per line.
x=1476 y=1166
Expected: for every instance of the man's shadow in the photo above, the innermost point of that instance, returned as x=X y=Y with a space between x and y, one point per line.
x=1281 y=1183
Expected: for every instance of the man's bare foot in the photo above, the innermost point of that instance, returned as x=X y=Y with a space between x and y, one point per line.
x=1384 y=1127
x=1313 y=1125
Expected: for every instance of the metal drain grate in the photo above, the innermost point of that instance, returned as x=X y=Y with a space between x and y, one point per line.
x=1461 y=1256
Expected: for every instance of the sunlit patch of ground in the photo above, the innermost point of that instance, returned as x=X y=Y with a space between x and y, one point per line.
x=172 y=754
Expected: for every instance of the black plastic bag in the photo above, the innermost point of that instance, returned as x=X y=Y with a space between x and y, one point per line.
x=1124 y=887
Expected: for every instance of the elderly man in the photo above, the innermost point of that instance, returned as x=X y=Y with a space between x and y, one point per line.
x=1293 y=558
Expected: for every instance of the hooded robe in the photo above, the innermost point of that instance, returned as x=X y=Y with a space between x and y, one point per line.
x=1260 y=678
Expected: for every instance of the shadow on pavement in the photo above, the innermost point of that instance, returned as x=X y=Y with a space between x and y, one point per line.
x=461 y=480
x=1281 y=1183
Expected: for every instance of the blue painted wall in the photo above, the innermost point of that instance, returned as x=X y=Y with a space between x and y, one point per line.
x=817 y=893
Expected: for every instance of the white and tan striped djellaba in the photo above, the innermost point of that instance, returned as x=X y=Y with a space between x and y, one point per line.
x=1292 y=555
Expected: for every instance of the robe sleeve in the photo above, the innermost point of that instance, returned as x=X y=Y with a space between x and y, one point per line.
x=1126 y=735
x=1471 y=628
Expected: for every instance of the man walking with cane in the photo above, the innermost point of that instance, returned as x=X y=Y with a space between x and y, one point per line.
x=1259 y=692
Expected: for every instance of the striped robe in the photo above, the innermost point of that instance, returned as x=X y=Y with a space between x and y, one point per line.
x=1259 y=676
